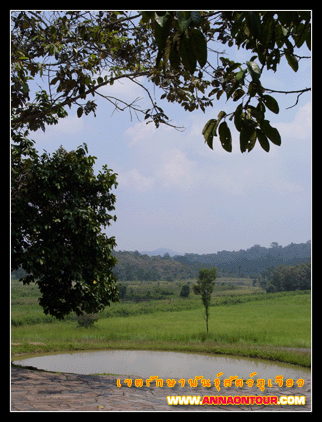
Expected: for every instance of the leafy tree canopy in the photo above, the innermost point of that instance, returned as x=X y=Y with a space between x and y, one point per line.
x=290 y=277
x=58 y=208
x=76 y=53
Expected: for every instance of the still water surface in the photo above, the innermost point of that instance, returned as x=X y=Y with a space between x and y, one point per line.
x=141 y=363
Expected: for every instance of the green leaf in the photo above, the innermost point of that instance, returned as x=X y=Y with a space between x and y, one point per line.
x=162 y=29
x=162 y=18
x=174 y=57
x=262 y=140
x=252 y=89
x=302 y=35
x=237 y=117
x=80 y=111
x=271 y=103
x=199 y=45
x=186 y=14
x=271 y=133
x=54 y=81
x=187 y=54
x=240 y=76
x=146 y=16
x=225 y=136
x=208 y=132
x=254 y=71
x=221 y=114
x=292 y=61
x=184 y=19
x=196 y=17
x=232 y=90
x=25 y=88
x=280 y=33
x=237 y=25
x=158 y=58
x=238 y=94
x=247 y=138
x=253 y=22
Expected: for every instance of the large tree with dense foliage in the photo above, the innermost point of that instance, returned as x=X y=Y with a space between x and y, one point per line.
x=58 y=209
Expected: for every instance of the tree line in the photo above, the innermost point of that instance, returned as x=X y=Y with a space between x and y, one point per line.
x=243 y=263
x=290 y=277
x=134 y=266
x=252 y=261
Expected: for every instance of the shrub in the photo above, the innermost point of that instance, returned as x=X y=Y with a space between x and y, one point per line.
x=87 y=320
x=271 y=288
x=185 y=291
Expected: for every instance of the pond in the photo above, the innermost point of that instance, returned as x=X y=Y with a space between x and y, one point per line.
x=143 y=363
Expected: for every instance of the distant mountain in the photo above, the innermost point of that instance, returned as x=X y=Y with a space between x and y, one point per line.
x=154 y=266
x=161 y=252
x=252 y=260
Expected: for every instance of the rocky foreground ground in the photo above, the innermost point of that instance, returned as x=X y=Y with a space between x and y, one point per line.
x=33 y=390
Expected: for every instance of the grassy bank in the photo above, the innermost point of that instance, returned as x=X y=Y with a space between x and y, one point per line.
x=253 y=325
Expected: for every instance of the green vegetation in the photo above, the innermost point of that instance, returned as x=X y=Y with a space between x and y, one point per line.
x=254 y=262
x=248 y=322
x=290 y=277
x=59 y=208
x=204 y=287
x=173 y=49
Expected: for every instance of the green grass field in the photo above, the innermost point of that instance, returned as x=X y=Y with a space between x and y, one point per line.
x=249 y=324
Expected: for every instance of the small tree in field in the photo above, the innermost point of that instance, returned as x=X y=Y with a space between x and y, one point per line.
x=185 y=291
x=204 y=287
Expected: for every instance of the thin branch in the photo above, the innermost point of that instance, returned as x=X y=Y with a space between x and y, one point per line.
x=129 y=18
x=301 y=91
x=117 y=100
x=70 y=100
x=297 y=100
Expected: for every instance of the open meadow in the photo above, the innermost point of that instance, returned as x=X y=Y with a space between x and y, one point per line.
x=244 y=320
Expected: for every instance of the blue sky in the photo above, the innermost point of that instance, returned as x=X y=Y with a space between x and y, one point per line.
x=175 y=192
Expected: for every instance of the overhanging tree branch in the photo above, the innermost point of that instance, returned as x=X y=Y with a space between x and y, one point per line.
x=299 y=92
x=169 y=47
x=27 y=116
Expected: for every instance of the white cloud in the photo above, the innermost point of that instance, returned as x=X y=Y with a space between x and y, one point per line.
x=134 y=179
x=140 y=132
x=182 y=162
x=300 y=127
x=126 y=90
x=177 y=171
x=69 y=125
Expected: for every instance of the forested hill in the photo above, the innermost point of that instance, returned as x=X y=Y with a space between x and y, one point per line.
x=254 y=259
x=250 y=262
x=134 y=266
